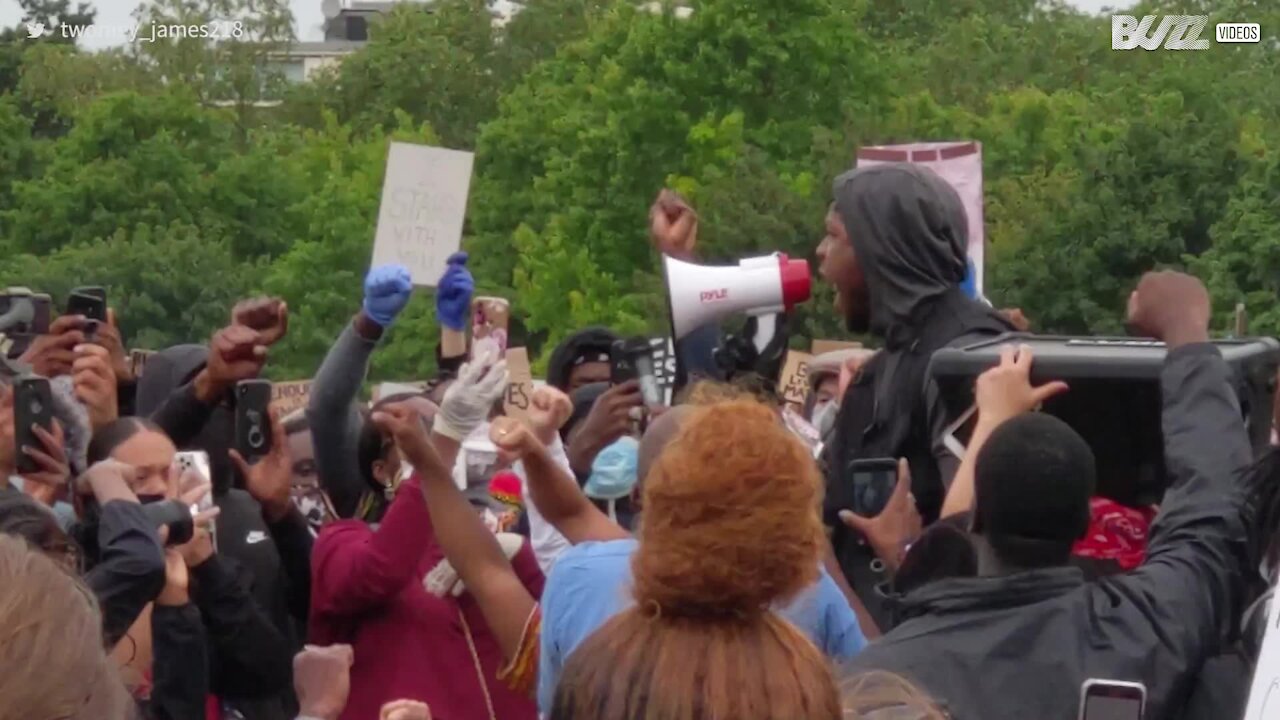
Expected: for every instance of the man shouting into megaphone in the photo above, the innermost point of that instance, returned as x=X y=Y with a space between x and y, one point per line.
x=894 y=250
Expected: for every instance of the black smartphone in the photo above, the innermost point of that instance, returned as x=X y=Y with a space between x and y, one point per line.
x=1112 y=700
x=89 y=303
x=632 y=359
x=253 y=420
x=873 y=482
x=32 y=405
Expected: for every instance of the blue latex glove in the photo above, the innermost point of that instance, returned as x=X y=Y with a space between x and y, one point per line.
x=453 y=294
x=386 y=292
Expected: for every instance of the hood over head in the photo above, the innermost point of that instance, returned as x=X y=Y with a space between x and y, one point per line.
x=169 y=370
x=593 y=341
x=910 y=233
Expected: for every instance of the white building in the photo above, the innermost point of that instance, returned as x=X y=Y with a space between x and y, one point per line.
x=346 y=29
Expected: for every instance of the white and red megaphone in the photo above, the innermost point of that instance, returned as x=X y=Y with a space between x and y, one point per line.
x=700 y=294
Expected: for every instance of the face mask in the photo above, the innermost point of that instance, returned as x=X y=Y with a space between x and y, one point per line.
x=824 y=418
x=613 y=474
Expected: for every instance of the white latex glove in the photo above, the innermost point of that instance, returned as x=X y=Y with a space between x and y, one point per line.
x=467 y=404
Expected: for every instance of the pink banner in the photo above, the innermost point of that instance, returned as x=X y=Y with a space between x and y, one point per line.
x=960 y=164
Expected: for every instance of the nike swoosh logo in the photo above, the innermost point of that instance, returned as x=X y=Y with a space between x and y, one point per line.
x=255 y=537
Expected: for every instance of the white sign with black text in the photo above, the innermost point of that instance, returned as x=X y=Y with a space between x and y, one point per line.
x=424 y=202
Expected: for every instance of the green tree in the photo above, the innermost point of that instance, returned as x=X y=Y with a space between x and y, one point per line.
x=1243 y=263
x=569 y=167
x=153 y=159
x=321 y=276
x=168 y=284
x=433 y=63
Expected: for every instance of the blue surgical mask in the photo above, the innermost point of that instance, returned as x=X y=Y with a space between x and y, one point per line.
x=613 y=474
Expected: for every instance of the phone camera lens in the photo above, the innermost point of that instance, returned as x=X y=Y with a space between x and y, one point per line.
x=255 y=437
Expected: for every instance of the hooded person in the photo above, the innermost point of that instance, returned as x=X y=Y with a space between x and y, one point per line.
x=895 y=250
x=275 y=557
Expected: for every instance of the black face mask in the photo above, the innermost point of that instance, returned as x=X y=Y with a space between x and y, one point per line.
x=149 y=499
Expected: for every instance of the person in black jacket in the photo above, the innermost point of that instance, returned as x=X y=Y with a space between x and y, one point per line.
x=187 y=391
x=895 y=248
x=262 y=547
x=123 y=579
x=249 y=657
x=1019 y=641
x=130 y=569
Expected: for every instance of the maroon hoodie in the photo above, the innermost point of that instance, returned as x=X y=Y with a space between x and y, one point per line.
x=367 y=591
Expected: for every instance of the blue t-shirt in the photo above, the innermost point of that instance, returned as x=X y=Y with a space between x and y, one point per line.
x=591 y=583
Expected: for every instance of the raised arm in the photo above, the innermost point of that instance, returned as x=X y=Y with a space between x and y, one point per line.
x=552 y=490
x=131 y=566
x=1191 y=580
x=355 y=569
x=470 y=548
x=453 y=305
x=1002 y=393
x=269 y=481
x=332 y=409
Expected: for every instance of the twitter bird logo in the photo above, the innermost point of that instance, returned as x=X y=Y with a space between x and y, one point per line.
x=35 y=30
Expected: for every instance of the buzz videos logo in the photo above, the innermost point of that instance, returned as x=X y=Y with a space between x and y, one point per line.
x=1176 y=32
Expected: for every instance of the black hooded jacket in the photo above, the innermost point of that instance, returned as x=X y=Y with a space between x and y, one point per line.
x=1020 y=646
x=272 y=561
x=909 y=232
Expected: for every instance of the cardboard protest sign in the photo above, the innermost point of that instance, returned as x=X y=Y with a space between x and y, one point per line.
x=960 y=165
x=825 y=346
x=424 y=201
x=520 y=387
x=387 y=389
x=290 y=396
x=793 y=384
x=138 y=361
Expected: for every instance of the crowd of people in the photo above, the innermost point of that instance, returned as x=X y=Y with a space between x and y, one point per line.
x=599 y=557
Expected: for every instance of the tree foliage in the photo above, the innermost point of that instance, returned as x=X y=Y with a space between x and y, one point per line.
x=151 y=170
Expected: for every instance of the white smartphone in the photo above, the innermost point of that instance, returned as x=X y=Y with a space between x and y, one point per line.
x=197 y=463
x=1112 y=700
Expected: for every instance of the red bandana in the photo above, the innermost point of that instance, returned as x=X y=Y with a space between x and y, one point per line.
x=1116 y=533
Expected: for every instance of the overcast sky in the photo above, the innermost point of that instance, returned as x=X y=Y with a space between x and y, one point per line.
x=306 y=13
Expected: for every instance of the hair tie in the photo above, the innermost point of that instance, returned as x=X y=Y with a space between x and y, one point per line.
x=651 y=610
